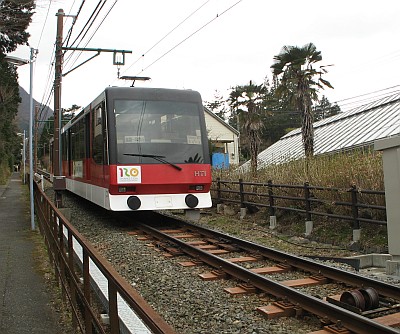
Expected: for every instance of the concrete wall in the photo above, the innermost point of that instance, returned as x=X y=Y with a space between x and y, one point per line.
x=391 y=168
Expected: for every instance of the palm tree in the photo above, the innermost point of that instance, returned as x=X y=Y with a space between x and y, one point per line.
x=247 y=102
x=299 y=84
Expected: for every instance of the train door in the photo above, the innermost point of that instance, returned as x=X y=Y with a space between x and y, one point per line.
x=87 y=147
x=66 y=152
x=98 y=143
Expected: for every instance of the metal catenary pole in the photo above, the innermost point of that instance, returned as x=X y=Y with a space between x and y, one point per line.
x=31 y=60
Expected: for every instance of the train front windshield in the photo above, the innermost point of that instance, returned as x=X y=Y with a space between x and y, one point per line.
x=147 y=131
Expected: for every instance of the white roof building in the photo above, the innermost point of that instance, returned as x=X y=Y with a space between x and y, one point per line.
x=224 y=137
x=355 y=128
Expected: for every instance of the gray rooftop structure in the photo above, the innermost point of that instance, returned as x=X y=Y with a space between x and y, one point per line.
x=355 y=128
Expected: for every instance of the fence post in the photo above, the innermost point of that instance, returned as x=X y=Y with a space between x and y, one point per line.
x=242 y=206
x=309 y=223
x=272 y=216
x=218 y=189
x=354 y=211
x=219 y=202
x=86 y=292
x=241 y=190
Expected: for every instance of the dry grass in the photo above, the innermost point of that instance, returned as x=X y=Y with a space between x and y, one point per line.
x=362 y=169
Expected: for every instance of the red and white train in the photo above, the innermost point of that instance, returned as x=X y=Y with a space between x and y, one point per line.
x=139 y=149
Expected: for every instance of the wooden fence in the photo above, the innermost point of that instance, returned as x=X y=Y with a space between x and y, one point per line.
x=351 y=204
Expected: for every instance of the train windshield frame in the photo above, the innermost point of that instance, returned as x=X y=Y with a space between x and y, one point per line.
x=147 y=131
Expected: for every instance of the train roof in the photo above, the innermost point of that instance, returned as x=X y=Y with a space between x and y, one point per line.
x=153 y=93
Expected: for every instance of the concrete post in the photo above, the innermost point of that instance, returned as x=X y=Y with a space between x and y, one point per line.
x=356 y=235
x=193 y=215
x=243 y=212
x=272 y=222
x=391 y=168
x=309 y=228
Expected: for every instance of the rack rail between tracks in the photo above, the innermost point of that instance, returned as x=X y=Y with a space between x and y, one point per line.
x=60 y=237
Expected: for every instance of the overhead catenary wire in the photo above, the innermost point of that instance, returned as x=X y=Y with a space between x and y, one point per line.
x=358 y=100
x=48 y=90
x=44 y=24
x=92 y=18
x=96 y=29
x=90 y=21
x=102 y=21
x=69 y=34
x=191 y=35
x=167 y=34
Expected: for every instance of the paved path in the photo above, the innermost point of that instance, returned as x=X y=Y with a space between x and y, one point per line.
x=24 y=303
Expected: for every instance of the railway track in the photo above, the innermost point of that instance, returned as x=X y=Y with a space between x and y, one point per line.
x=365 y=306
x=256 y=270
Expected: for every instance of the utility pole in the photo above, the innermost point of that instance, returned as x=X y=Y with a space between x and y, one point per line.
x=58 y=180
x=57 y=93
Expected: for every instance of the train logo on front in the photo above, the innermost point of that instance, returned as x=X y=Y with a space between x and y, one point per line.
x=129 y=174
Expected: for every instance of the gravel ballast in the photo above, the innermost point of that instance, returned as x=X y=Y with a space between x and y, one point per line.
x=187 y=303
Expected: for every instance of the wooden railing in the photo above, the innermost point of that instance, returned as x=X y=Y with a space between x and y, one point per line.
x=351 y=204
x=72 y=272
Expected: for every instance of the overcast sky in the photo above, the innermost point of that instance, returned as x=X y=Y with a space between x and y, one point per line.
x=236 y=44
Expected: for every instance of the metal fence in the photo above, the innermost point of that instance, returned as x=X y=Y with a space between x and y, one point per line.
x=62 y=241
x=351 y=204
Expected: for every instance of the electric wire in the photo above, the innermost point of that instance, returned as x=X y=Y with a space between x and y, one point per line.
x=362 y=99
x=89 y=22
x=87 y=30
x=44 y=24
x=84 y=31
x=67 y=38
x=191 y=35
x=377 y=91
x=94 y=33
x=166 y=35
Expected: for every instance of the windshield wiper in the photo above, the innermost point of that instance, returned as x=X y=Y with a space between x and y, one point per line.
x=155 y=157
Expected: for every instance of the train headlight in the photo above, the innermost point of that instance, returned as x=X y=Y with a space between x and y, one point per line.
x=191 y=201
x=134 y=202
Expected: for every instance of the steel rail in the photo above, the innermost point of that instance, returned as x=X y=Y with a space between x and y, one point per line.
x=302 y=263
x=323 y=309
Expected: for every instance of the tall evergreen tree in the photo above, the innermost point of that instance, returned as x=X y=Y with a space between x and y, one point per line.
x=9 y=100
x=15 y=17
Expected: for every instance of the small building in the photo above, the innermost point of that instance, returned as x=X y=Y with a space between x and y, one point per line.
x=224 y=140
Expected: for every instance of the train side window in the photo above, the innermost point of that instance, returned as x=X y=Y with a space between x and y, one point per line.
x=78 y=140
x=98 y=140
